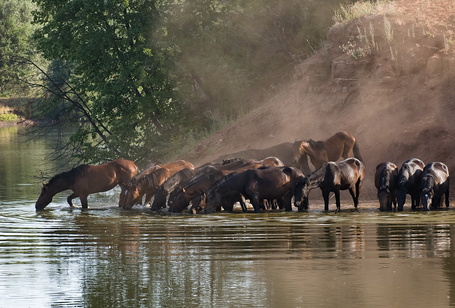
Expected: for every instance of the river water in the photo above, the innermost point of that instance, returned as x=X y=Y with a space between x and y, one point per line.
x=107 y=257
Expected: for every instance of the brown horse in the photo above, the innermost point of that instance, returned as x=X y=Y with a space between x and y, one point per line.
x=333 y=177
x=136 y=178
x=386 y=183
x=88 y=179
x=340 y=145
x=148 y=184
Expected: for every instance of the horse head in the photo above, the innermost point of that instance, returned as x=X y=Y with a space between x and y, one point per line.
x=132 y=197
x=384 y=197
x=302 y=190
x=44 y=198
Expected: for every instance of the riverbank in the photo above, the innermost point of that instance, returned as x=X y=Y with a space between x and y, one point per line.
x=15 y=111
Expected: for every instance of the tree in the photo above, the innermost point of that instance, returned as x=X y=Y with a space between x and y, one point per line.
x=119 y=91
x=16 y=30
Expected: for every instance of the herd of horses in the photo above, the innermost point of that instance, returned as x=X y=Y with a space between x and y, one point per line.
x=266 y=183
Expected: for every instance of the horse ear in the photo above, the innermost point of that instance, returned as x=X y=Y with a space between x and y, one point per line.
x=183 y=190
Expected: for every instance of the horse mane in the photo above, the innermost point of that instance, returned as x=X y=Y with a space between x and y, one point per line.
x=153 y=178
x=71 y=175
x=317 y=176
x=316 y=145
x=384 y=180
x=427 y=183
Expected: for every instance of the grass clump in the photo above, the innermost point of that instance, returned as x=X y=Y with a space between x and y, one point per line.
x=7 y=114
x=356 y=10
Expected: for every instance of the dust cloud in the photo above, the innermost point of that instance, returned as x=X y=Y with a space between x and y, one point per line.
x=398 y=101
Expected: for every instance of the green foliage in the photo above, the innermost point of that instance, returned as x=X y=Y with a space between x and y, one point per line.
x=118 y=87
x=15 y=33
x=141 y=78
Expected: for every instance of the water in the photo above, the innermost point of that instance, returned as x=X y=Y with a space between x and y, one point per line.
x=107 y=257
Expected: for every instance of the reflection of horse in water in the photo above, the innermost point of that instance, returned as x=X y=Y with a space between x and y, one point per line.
x=333 y=177
x=409 y=182
x=88 y=179
x=340 y=145
x=434 y=184
x=385 y=180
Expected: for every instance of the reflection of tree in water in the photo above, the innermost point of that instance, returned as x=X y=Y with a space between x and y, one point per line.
x=413 y=240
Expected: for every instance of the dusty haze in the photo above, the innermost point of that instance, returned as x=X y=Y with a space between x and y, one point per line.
x=395 y=91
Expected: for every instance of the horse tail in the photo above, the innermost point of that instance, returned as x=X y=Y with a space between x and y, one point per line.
x=356 y=151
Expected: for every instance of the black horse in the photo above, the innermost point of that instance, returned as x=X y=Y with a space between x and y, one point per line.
x=434 y=184
x=385 y=180
x=409 y=182
x=333 y=177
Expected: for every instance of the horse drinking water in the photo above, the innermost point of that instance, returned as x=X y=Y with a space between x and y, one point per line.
x=409 y=182
x=88 y=179
x=333 y=177
x=385 y=180
x=434 y=184
x=340 y=145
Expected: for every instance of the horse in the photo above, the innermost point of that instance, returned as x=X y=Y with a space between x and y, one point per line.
x=159 y=201
x=284 y=151
x=88 y=179
x=256 y=184
x=181 y=196
x=137 y=177
x=434 y=184
x=149 y=183
x=409 y=182
x=333 y=177
x=340 y=145
x=385 y=180
x=197 y=187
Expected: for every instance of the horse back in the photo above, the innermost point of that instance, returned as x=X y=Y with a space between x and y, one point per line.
x=351 y=171
x=338 y=144
x=178 y=165
x=386 y=175
x=410 y=172
x=438 y=171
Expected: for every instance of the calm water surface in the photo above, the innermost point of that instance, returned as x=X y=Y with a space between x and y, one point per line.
x=107 y=257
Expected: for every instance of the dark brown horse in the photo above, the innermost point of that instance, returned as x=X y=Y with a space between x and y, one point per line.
x=385 y=180
x=434 y=184
x=148 y=184
x=409 y=182
x=333 y=177
x=340 y=145
x=88 y=179
x=256 y=185
x=194 y=187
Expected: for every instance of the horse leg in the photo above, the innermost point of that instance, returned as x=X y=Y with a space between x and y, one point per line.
x=287 y=200
x=325 y=195
x=255 y=202
x=447 y=197
x=354 y=197
x=413 y=202
x=70 y=199
x=243 y=205
x=84 y=202
x=337 y=199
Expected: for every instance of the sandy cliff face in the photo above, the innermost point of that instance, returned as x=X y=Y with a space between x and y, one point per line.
x=388 y=78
